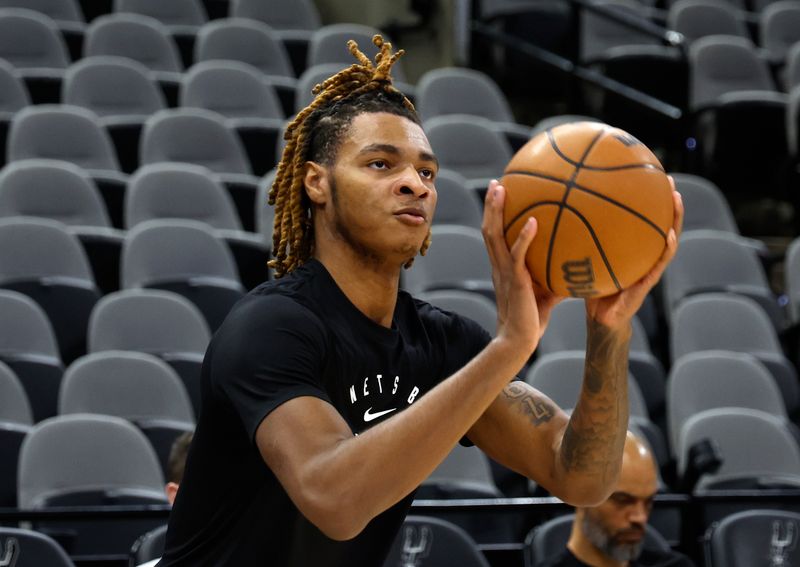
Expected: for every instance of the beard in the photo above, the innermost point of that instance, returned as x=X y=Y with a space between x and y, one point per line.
x=609 y=544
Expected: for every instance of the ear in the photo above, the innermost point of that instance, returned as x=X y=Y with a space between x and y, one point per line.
x=316 y=183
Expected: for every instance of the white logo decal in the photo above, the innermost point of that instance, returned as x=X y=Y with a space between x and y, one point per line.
x=783 y=542
x=370 y=416
x=415 y=552
x=11 y=555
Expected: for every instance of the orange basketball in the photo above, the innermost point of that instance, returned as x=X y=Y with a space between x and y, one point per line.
x=603 y=204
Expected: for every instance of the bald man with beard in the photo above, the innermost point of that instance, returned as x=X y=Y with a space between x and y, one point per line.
x=612 y=534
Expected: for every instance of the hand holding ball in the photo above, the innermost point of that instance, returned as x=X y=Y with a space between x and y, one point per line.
x=603 y=204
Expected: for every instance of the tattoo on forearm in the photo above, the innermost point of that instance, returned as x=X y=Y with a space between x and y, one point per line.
x=595 y=435
x=533 y=406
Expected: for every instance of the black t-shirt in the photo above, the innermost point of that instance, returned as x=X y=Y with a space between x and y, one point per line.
x=300 y=336
x=648 y=558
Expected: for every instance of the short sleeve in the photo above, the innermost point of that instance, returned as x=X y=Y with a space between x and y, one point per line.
x=269 y=350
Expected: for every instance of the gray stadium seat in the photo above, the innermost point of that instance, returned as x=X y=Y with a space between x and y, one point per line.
x=15 y=422
x=63 y=192
x=265 y=213
x=157 y=322
x=138 y=37
x=429 y=542
x=61 y=11
x=474 y=306
x=179 y=16
x=29 y=548
x=185 y=257
x=599 y=33
x=566 y=331
x=135 y=386
x=719 y=379
x=32 y=43
x=39 y=258
x=456 y=90
x=14 y=405
x=715 y=261
x=779 y=29
x=456 y=203
x=279 y=14
x=792 y=278
x=457 y=259
x=700 y=18
x=149 y=547
x=186 y=191
x=719 y=321
x=85 y=460
x=13 y=95
x=751 y=537
x=311 y=77
x=470 y=146
x=756 y=448
x=28 y=346
x=705 y=205
x=792 y=68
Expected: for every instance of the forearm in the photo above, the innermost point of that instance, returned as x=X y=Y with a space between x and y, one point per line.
x=590 y=453
x=371 y=472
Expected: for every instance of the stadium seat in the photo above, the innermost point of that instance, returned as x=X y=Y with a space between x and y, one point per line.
x=455 y=203
x=779 y=29
x=704 y=203
x=178 y=190
x=122 y=94
x=265 y=213
x=424 y=541
x=700 y=18
x=138 y=37
x=29 y=548
x=132 y=385
x=41 y=259
x=16 y=419
x=149 y=546
x=28 y=346
x=185 y=257
x=720 y=321
x=63 y=192
x=599 y=33
x=249 y=103
x=752 y=537
x=719 y=379
x=457 y=259
x=792 y=279
x=157 y=322
x=715 y=261
x=90 y=460
x=757 y=449
x=311 y=77
x=179 y=16
x=456 y=90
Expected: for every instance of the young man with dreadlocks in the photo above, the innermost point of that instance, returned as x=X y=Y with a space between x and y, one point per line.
x=329 y=395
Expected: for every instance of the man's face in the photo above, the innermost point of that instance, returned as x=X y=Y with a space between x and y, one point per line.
x=381 y=187
x=616 y=527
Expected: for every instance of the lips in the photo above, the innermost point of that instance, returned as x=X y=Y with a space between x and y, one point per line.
x=412 y=211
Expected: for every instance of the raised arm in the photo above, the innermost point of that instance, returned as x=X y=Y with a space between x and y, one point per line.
x=576 y=458
x=340 y=481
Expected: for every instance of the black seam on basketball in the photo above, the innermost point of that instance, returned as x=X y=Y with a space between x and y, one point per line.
x=521 y=213
x=591 y=192
x=567 y=189
x=572 y=162
x=596 y=243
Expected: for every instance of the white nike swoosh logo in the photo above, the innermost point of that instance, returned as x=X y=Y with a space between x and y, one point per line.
x=370 y=416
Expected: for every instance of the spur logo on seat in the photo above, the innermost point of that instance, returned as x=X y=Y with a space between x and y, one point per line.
x=784 y=540
x=416 y=545
x=9 y=552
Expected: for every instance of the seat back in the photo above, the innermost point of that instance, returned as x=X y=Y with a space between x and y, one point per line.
x=28 y=548
x=751 y=537
x=193 y=135
x=110 y=85
x=311 y=77
x=455 y=202
x=474 y=306
x=329 y=45
x=599 y=33
x=231 y=88
x=457 y=90
x=705 y=205
x=468 y=145
x=14 y=405
x=30 y=40
x=280 y=14
x=13 y=94
x=424 y=541
x=179 y=191
x=138 y=37
x=779 y=28
x=149 y=546
x=52 y=189
x=244 y=40
x=132 y=385
x=175 y=12
x=700 y=18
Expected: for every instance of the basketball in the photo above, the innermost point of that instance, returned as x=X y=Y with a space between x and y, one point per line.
x=603 y=204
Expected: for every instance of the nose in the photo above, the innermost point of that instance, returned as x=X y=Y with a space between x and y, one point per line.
x=639 y=513
x=409 y=182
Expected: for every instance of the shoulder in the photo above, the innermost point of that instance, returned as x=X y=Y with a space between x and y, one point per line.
x=563 y=559
x=659 y=558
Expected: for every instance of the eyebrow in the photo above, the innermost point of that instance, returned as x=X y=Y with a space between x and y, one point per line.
x=390 y=149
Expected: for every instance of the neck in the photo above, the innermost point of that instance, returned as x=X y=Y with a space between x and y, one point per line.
x=369 y=285
x=587 y=553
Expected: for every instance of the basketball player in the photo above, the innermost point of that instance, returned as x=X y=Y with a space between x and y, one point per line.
x=329 y=395
x=612 y=534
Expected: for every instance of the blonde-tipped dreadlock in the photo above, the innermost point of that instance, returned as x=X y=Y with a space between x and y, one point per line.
x=314 y=135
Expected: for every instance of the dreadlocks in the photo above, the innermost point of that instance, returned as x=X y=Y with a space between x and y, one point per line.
x=314 y=135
